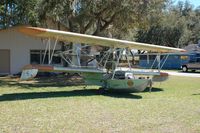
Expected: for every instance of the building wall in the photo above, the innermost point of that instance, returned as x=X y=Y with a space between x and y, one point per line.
x=19 y=46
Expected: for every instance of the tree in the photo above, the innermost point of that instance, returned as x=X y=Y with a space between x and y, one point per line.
x=113 y=18
x=155 y=21
x=96 y=16
x=14 y=12
x=178 y=26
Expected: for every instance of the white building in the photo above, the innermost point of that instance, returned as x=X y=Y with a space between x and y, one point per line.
x=18 y=50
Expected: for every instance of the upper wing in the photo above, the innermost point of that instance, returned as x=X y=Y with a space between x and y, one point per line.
x=94 y=40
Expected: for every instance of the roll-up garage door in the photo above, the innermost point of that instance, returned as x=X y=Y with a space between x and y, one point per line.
x=4 y=61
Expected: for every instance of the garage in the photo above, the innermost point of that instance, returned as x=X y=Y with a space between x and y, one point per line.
x=4 y=61
x=18 y=50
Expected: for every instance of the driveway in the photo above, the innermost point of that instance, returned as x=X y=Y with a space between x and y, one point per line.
x=183 y=74
x=172 y=73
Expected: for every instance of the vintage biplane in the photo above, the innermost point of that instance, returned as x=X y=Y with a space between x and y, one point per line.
x=114 y=77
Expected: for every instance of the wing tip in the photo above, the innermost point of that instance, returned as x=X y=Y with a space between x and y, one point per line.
x=33 y=31
x=183 y=50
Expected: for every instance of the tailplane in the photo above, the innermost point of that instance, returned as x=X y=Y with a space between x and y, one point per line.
x=160 y=78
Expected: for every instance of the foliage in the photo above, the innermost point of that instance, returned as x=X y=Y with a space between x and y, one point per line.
x=96 y=17
x=159 y=35
x=13 y=12
x=178 y=27
x=156 y=21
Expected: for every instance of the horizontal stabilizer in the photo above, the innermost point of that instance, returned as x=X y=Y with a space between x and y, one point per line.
x=30 y=71
x=160 y=78
x=49 y=68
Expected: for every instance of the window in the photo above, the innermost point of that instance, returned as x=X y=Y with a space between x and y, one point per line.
x=37 y=56
x=147 y=57
x=143 y=57
x=184 y=57
x=198 y=59
x=152 y=57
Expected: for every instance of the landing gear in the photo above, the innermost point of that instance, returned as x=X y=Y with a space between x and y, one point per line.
x=101 y=91
x=150 y=85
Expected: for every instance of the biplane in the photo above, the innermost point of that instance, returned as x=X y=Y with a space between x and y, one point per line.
x=108 y=78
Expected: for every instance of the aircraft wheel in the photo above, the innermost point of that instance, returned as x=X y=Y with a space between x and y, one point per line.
x=101 y=91
x=184 y=68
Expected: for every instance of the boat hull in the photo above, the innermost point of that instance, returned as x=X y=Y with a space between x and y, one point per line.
x=129 y=85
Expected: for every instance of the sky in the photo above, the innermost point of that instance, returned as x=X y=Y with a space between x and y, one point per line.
x=196 y=3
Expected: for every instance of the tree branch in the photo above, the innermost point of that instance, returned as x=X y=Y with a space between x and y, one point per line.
x=88 y=25
x=101 y=12
x=107 y=23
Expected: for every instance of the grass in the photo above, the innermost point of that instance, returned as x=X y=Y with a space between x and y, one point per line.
x=172 y=107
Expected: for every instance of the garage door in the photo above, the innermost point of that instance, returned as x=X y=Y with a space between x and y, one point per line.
x=4 y=61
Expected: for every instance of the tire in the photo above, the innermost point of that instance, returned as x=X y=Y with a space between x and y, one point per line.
x=184 y=68
x=193 y=70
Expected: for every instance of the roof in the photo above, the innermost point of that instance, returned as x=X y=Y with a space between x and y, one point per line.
x=172 y=54
x=18 y=27
x=13 y=28
x=192 y=48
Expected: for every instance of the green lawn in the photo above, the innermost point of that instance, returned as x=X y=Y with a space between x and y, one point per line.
x=172 y=107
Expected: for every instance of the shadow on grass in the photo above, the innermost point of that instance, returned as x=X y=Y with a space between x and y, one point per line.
x=60 y=82
x=196 y=94
x=59 y=94
x=42 y=82
x=153 y=90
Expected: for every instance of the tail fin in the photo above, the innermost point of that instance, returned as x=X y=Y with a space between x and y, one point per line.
x=28 y=74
